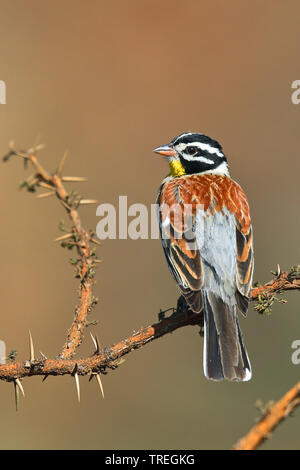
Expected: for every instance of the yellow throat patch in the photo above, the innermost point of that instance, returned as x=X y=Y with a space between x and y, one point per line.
x=176 y=168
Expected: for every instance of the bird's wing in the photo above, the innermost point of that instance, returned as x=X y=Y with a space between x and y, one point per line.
x=244 y=246
x=176 y=223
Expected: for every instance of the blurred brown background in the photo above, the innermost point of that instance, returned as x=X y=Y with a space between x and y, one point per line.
x=109 y=81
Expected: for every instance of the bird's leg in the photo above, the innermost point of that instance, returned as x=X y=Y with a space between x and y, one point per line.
x=182 y=306
x=162 y=313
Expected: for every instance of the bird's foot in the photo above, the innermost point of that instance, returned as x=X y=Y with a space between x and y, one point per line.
x=162 y=313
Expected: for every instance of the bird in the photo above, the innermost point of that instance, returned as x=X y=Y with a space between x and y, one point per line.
x=209 y=251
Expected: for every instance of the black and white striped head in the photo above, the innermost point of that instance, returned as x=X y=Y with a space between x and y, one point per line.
x=191 y=153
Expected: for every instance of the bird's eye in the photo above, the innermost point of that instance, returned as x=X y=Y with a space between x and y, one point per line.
x=191 y=150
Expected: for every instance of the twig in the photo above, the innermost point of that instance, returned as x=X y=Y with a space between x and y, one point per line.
x=288 y=280
x=109 y=356
x=106 y=358
x=80 y=237
x=270 y=420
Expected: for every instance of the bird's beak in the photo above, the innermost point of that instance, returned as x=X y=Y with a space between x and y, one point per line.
x=165 y=150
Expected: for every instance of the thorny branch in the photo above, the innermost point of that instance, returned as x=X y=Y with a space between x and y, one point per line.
x=270 y=420
x=77 y=237
x=111 y=357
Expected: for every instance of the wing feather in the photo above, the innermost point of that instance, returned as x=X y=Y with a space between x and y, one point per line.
x=180 y=247
x=244 y=250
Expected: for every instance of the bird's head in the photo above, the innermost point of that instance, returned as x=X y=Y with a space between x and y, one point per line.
x=191 y=153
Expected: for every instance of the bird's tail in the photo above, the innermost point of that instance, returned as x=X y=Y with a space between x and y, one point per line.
x=225 y=355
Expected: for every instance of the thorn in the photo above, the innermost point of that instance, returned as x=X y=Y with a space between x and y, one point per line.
x=62 y=163
x=91 y=377
x=21 y=154
x=40 y=147
x=36 y=148
x=50 y=193
x=45 y=377
x=20 y=386
x=46 y=185
x=64 y=237
x=31 y=348
x=98 y=377
x=73 y=179
x=98 y=260
x=278 y=270
x=16 y=395
x=94 y=341
x=88 y=201
x=77 y=386
x=65 y=205
x=96 y=344
x=95 y=241
x=43 y=356
x=32 y=181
